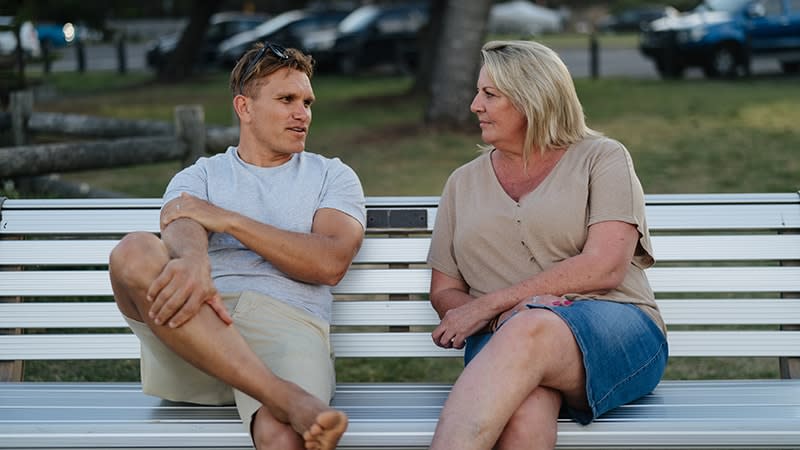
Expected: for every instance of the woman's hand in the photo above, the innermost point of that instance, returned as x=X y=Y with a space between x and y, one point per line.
x=459 y=323
x=549 y=300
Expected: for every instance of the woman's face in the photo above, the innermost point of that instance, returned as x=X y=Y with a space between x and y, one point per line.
x=502 y=125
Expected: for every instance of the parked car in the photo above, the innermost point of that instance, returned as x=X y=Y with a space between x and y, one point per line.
x=58 y=35
x=723 y=36
x=635 y=19
x=28 y=37
x=290 y=29
x=372 y=36
x=221 y=26
x=524 y=17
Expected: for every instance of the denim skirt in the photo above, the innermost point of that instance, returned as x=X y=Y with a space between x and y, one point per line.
x=624 y=352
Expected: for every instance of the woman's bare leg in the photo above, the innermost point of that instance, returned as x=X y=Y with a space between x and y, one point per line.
x=535 y=348
x=534 y=425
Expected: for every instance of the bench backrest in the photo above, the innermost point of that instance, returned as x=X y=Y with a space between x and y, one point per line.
x=723 y=259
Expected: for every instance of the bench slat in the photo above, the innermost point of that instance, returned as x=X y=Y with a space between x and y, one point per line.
x=723 y=217
x=661 y=215
x=410 y=433
x=394 y=394
x=709 y=412
x=79 y=222
x=401 y=313
x=417 y=281
x=126 y=346
x=95 y=252
x=415 y=250
x=410 y=201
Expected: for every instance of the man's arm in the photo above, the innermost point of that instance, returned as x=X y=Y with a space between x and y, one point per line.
x=320 y=257
x=185 y=282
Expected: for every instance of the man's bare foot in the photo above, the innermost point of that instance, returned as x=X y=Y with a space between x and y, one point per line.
x=326 y=431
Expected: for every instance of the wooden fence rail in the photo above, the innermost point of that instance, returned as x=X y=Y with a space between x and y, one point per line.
x=121 y=142
x=74 y=156
x=101 y=127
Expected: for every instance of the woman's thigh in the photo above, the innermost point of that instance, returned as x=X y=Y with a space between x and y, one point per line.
x=623 y=353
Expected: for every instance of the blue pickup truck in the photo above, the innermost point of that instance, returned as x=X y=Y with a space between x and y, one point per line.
x=724 y=36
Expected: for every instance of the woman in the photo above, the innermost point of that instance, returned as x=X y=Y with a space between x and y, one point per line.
x=538 y=258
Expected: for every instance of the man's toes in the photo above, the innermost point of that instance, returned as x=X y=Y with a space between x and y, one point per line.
x=326 y=432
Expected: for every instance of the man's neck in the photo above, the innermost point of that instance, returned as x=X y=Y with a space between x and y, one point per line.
x=263 y=158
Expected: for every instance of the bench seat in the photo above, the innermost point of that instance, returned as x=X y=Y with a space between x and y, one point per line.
x=727 y=282
x=710 y=414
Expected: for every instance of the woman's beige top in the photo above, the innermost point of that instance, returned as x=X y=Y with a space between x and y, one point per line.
x=488 y=240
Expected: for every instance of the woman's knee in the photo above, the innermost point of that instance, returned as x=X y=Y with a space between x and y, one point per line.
x=534 y=326
x=534 y=425
x=551 y=350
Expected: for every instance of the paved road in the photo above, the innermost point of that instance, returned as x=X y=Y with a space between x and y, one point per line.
x=613 y=61
x=100 y=57
x=630 y=63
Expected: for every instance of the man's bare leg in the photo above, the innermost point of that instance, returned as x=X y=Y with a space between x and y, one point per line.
x=208 y=343
x=270 y=434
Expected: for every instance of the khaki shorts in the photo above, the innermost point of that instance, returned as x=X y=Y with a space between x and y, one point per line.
x=294 y=344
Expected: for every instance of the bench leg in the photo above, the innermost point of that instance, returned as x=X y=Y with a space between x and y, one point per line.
x=790 y=367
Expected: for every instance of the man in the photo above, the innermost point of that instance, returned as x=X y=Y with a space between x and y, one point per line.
x=233 y=302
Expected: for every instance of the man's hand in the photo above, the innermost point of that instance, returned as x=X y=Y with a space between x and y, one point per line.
x=181 y=289
x=211 y=217
x=460 y=323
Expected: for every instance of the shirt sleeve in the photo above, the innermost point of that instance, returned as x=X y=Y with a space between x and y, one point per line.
x=343 y=192
x=192 y=180
x=615 y=194
x=441 y=255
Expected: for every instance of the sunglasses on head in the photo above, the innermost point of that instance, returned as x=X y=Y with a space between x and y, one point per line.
x=275 y=50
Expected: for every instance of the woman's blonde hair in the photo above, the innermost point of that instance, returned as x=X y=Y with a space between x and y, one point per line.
x=539 y=85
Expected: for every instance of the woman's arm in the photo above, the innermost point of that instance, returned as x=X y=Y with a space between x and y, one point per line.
x=600 y=267
x=447 y=292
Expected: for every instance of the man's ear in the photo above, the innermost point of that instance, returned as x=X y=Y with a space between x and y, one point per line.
x=242 y=107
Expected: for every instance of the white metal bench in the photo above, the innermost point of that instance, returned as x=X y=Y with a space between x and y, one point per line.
x=728 y=283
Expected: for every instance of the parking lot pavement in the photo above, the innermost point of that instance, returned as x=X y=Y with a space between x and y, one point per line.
x=613 y=61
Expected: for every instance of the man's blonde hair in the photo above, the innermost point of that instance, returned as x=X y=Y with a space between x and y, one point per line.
x=539 y=85
x=260 y=61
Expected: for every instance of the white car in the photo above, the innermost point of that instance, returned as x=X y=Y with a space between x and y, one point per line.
x=27 y=34
x=524 y=17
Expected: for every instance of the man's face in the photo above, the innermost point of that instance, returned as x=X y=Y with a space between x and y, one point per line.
x=280 y=113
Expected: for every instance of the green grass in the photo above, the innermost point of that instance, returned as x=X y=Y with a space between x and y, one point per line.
x=684 y=136
x=563 y=41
